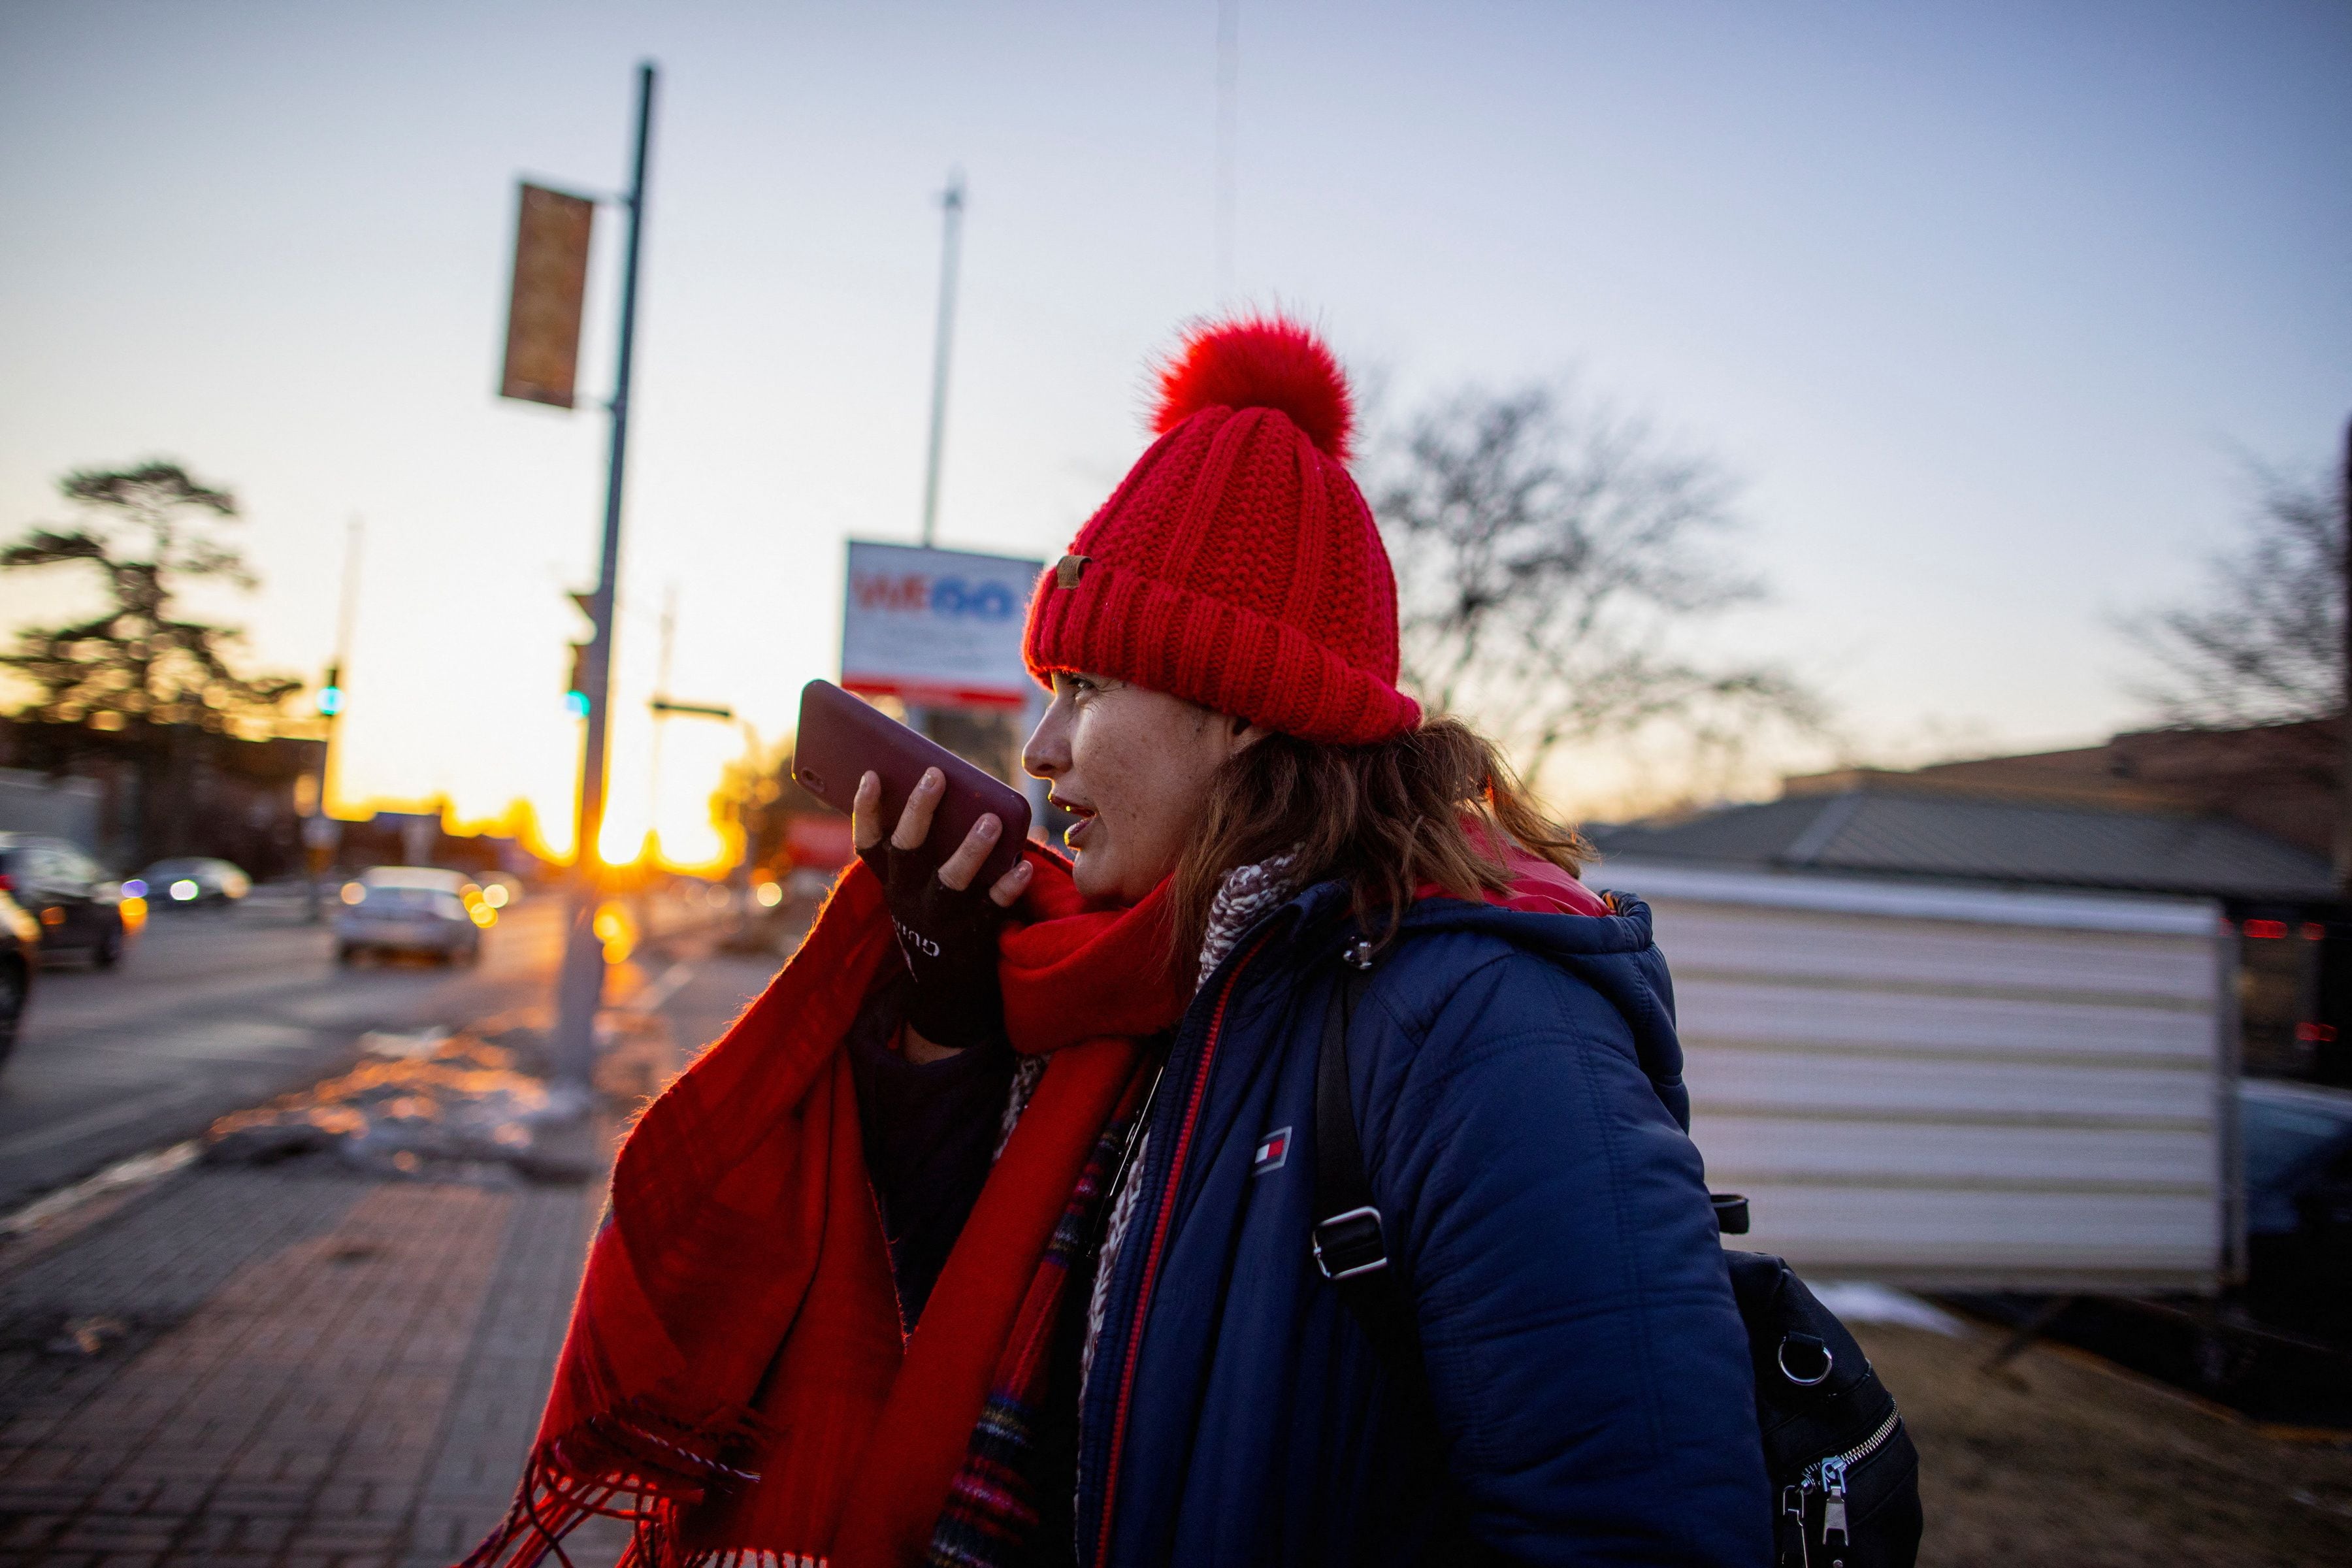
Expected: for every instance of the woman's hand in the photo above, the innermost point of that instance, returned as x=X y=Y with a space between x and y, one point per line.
x=947 y=928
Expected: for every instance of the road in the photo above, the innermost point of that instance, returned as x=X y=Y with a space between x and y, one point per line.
x=209 y=1014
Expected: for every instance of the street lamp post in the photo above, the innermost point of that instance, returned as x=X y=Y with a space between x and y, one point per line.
x=950 y=235
x=580 y=982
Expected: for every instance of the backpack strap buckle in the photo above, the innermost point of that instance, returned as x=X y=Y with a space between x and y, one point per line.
x=1351 y=1244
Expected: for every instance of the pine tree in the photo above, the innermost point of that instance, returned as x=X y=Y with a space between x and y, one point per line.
x=139 y=684
x=146 y=531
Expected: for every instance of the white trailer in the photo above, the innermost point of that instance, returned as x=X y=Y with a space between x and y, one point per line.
x=1953 y=1087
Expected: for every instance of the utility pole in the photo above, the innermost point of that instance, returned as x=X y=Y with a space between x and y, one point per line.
x=318 y=830
x=580 y=984
x=1229 y=71
x=951 y=200
x=2343 y=779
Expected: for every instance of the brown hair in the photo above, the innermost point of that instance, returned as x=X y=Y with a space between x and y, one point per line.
x=1435 y=804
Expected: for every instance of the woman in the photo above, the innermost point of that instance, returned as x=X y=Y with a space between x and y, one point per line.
x=984 y=1237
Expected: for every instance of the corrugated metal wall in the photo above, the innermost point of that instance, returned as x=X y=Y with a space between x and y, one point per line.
x=1955 y=1086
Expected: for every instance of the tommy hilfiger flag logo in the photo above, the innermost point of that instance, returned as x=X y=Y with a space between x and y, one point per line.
x=1272 y=1150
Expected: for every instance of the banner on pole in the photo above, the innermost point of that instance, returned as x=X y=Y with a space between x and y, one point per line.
x=551 y=278
x=938 y=628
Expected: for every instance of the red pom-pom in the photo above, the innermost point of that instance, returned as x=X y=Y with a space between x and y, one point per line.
x=1259 y=361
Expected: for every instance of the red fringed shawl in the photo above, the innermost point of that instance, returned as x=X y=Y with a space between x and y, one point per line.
x=734 y=1380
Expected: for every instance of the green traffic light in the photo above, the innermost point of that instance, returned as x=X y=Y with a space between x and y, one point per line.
x=331 y=700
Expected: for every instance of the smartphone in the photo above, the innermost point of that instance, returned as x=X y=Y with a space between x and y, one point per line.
x=843 y=738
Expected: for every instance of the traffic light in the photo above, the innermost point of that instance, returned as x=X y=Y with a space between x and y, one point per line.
x=331 y=694
x=575 y=698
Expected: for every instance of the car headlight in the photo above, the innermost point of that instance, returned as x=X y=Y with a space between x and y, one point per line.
x=183 y=890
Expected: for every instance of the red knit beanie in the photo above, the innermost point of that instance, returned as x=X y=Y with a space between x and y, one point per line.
x=1237 y=565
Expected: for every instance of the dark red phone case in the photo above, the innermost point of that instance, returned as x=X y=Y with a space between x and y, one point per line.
x=842 y=738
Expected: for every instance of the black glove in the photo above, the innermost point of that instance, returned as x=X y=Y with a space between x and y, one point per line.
x=949 y=940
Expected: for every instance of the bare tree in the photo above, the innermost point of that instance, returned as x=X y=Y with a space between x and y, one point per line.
x=2264 y=644
x=1556 y=562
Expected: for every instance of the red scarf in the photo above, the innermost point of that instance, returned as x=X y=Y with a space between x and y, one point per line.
x=734 y=1380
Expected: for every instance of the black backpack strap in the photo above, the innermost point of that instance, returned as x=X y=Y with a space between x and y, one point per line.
x=1350 y=1238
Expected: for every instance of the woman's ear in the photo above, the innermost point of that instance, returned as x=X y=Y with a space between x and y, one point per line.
x=1245 y=735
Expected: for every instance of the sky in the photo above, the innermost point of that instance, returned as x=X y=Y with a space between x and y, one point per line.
x=1989 y=307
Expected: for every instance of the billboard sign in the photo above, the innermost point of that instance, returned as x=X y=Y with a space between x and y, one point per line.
x=938 y=628
x=550 y=276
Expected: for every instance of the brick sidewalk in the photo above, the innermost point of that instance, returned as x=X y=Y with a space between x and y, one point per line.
x=291 y=1369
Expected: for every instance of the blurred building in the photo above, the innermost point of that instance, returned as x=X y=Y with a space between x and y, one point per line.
x=63 y=808
x=2280 y=779
x=172 y=789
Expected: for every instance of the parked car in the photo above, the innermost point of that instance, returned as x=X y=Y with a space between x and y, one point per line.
x=412 y=908
x=2297 y=1142
x=20 y=951
x=193 y=882
x=79 y=907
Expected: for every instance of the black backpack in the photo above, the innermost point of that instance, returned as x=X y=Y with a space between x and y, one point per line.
x=1845 y=1478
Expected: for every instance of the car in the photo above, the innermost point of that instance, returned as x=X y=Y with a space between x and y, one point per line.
x=79 y=906
x=2295 y=1160
x=412 y=908
x=192 y=882
x=20 y=951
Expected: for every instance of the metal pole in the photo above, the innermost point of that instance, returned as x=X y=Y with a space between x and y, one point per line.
x=2344 y=696
x=316 y=828
x=1229 y=70
x=314 y=825
x=953 y=202
x=579 y=986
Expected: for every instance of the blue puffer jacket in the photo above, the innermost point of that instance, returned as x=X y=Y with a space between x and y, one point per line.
x=1517 y=1082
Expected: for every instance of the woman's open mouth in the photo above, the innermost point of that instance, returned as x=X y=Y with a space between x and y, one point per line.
x=1074 y=835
